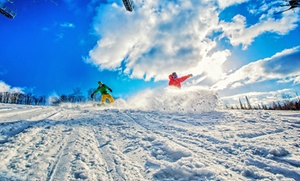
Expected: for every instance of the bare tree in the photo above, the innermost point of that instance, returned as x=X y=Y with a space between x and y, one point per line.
x=35 y=100
x=1 y=97
x=42 y=100
x=241 y=105
x=71 y=98
x=21 y=99
x=77 y=94
x=6 y=97
x=14 y=97
x=248 y=103
x=63 y=98
x=28 y=98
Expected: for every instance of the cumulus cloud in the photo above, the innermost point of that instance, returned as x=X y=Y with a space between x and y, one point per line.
x=284 y=65
x=160 y=37
x=238 y=33
x=7 y=88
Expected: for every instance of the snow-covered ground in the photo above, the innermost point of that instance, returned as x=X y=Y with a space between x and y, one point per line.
x=157 y=135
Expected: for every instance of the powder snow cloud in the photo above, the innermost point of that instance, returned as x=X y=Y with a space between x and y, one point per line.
x=7 y=88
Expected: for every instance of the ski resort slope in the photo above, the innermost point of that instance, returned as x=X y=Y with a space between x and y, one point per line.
x=177 y=137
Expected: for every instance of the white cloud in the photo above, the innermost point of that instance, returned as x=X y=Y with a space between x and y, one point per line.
x=281 y=66
x=223 y=4
x=238 y=33
x=160 y=37
x=264 y=7
x=7 y=88
x=67 y=25
x=297 y=80
x=4 y=87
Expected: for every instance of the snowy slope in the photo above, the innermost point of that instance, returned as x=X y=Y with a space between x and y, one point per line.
x=148 y=138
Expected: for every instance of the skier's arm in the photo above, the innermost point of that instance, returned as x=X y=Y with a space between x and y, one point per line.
x=110 y=90
x=95 y=91
x=182 y=79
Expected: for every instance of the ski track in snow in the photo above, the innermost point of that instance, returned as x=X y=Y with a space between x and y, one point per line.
x=95 y=143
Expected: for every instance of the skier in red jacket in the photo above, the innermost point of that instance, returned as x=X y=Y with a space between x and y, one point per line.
x=175 y=81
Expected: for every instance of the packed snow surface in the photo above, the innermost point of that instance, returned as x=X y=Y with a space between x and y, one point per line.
x=157 y=135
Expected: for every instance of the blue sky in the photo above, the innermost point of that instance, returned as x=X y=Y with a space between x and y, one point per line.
x=236 y=47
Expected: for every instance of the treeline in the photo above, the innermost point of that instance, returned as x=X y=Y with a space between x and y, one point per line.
x=278 y=105
x=21 y=98
x=30 y=99
x=74 y=97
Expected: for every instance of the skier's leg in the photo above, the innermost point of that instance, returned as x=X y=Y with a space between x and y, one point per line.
x=110 y=98
x=103 y=98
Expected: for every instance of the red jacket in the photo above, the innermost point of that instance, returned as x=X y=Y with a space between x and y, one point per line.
x=177 y=81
